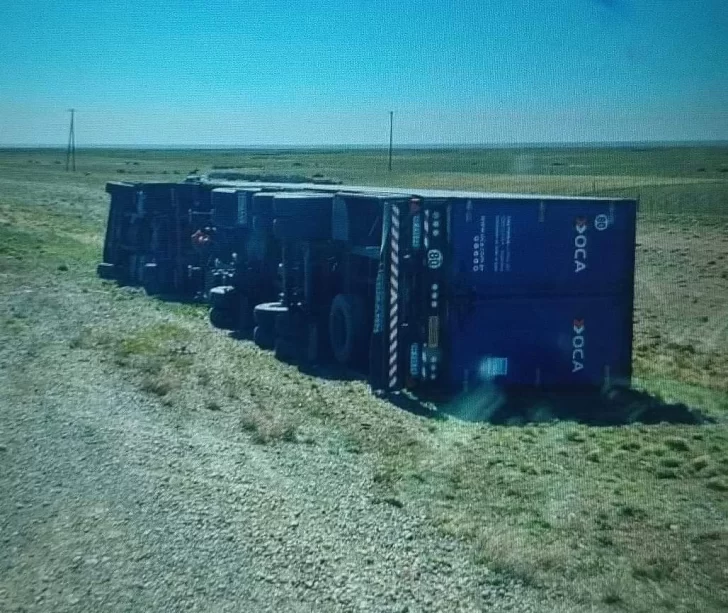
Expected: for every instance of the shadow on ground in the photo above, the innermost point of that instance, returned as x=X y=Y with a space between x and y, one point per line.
x=619 y=406
x=490 y=404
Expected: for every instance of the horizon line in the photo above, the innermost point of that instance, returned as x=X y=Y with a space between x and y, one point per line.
x=504 y=145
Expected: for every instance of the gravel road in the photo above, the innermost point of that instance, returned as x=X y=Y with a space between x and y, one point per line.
x=112 y=502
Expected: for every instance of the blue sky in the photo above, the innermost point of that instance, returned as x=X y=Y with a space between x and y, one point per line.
x=302 y=72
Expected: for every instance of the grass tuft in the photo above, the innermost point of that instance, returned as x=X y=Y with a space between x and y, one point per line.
x=612 y=596
x=266 y=429
x=575 y=436
x=495 y=550
x=666 y=473
x=213 y=405
x=159 y=384
x=699 y=463
x=670 y=462
x=593 y=455
x=655 y=569
x=718 y=484
x=630 y=445
x=677 y=443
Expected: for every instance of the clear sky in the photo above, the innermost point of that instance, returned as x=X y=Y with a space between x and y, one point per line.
x=307 y=72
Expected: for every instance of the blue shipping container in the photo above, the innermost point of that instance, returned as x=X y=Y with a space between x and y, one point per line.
x=543 y=246
x=549 y=342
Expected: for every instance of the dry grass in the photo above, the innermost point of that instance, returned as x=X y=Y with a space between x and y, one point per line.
x=266 y=429
x=159 y=385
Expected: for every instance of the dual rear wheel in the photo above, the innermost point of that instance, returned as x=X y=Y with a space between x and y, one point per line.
x=297 y=338
x=229 y=309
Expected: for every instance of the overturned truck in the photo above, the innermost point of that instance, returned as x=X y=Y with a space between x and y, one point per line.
x=436 y=292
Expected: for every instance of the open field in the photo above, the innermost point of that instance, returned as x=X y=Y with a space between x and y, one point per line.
x=571 y=516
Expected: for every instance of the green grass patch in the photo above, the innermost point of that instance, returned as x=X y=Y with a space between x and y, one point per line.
x=157 y=353
x=31 y=250
x=159 y=339
x=583 y=521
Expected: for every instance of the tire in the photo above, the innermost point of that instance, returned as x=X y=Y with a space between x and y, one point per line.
x=221 y=318
x=223 y=297
x=263 y=338
x=106 y=271
x=265 y=315
x=347 y=329
x=286 y=350
x=285 y=325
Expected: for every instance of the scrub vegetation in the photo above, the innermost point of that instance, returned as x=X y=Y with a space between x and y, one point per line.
x=605 y=518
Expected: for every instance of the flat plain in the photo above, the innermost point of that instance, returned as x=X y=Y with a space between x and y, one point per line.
x=559 y=514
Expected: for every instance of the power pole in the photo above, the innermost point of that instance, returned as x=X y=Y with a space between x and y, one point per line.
x=391 y=125
x=71 y=151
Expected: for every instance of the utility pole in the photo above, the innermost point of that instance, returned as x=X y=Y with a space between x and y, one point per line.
x=71 y=151
x=391 y=125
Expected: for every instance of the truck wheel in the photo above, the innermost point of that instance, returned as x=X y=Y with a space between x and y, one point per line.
x=105 y=270
x=286 y=350
x=265 y=315
x=222 y=297
x=222 y=318
x=287 y=326
x=263 y=338
x=347 y=329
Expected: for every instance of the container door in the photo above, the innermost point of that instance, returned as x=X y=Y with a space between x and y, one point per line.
x=548 y=342
x=122 y=200
x=514 y=246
